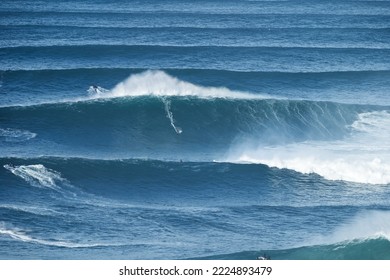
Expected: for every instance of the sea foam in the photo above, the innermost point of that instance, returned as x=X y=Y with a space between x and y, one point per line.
x=16 y=135
x=159 y=83
x=38 y=175
x=363 y=156
x=21 y=235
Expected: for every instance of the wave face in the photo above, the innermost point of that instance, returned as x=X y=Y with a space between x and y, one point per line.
x=169 y=115
x=371 y=249
x=194 y=129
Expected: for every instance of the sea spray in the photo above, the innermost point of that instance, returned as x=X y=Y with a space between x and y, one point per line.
x=362 y=156
x=159 y=83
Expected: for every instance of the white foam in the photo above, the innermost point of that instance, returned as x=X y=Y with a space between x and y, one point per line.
x=362 y=157
x=365 y=225
x=30 y=209
x=37 y=175
x=16 y=135
x=20 y=235
x=159 y=83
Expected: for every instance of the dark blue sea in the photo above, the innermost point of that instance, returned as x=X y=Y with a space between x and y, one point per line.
x=202 y=129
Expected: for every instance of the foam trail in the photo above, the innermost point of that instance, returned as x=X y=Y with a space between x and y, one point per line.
x=30 y=209
x=16 y=135
x=38 y=175
x=159 y=83
x=362 y=157
x=22 y=236
x=167 y=105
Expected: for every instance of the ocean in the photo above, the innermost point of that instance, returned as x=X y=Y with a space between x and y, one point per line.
x=202 y=129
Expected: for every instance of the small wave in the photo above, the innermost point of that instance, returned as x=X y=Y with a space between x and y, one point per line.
x=38 y=175
x=16 y=135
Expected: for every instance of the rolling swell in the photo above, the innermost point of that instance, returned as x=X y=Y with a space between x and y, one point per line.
x=210 y=7
x=200 y=37
x=192 y=20
x=155 y=57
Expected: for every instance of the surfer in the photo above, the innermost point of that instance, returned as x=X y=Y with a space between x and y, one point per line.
x=95 y=89
x=264 y=257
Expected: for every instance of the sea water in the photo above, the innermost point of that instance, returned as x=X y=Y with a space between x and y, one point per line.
x=194 y=129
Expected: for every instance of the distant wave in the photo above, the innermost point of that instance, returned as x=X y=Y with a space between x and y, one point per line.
x=168 y=19
x=194 y=37
x=208 y=8
x=142 y=56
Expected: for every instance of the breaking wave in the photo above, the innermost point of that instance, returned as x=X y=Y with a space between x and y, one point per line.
x=363 y=156
x=159 y=83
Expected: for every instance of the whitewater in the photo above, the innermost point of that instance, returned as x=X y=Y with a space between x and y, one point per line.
x=185 y=130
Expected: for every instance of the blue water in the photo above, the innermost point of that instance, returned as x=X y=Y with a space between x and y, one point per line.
x=194 y=129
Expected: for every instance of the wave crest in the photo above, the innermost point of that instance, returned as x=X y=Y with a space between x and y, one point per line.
x=159 y=83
